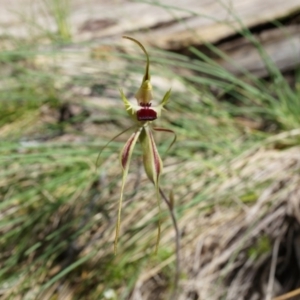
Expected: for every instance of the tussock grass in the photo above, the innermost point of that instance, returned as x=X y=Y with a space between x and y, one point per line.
x=232 y=182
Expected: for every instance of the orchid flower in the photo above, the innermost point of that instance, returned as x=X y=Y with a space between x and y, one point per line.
x=143 y=113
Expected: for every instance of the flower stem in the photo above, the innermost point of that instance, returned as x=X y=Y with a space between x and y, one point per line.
x=177 y=243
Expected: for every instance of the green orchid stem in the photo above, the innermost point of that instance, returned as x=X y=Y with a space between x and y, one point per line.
x=177 y=243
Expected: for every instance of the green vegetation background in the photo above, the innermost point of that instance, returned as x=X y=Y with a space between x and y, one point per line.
x=59 y=106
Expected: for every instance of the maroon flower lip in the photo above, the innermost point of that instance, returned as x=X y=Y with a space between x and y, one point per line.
x=146 y=114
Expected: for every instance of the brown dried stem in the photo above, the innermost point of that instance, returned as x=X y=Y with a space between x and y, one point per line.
x=169 y=203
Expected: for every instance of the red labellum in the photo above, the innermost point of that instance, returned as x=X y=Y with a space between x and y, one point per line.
x=146 y=114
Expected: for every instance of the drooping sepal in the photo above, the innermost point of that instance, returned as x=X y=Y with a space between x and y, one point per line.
x=152 y=161
x=153 y=166
x=125 y=157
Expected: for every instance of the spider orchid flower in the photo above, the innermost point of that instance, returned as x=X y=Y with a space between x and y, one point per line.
x=143 y=114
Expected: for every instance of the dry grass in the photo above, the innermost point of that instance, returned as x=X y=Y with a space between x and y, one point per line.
x=242 y=252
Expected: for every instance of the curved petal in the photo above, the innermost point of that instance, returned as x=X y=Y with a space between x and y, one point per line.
x=169 y=131
x=116 y=136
